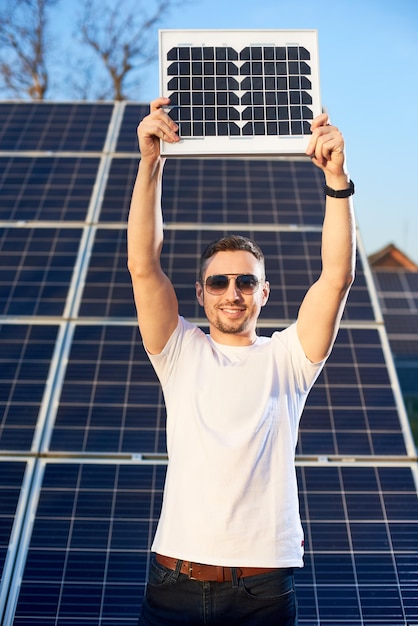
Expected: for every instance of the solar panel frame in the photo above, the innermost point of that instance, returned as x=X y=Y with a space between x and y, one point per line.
x=220 y=115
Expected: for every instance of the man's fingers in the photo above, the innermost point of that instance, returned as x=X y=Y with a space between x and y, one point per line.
x=165 y=129
x=168 y=128
x=319 y=120
x=159 y=124
x=325 y=141
x=159 y=103
x=324 y=146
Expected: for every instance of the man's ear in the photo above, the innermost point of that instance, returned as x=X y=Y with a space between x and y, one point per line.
x=199 y=292
x=266 y=293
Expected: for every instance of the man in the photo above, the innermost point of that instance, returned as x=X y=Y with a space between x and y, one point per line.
x=229 y=534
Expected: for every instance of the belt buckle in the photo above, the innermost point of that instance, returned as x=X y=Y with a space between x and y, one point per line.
x=191 y=577
x=196 y=571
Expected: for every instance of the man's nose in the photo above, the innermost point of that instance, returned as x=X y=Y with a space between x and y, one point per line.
x=233 y=292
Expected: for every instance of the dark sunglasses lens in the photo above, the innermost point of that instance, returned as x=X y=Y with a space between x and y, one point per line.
x=217 y=283
x=247 y=283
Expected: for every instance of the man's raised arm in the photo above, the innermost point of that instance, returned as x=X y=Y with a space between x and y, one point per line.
x=155 y=299
x=322 y=308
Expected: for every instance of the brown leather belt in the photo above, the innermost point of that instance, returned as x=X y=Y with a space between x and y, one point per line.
x=208 y=573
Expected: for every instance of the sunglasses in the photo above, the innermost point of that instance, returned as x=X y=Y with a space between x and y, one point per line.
x=219 y=283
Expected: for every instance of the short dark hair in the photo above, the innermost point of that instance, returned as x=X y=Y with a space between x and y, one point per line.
x=224 y=244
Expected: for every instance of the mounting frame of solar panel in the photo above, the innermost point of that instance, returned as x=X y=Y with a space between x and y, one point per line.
x=240 y=92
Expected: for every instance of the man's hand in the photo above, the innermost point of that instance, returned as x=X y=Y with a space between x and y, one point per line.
x=326 y=147
x=155 y=126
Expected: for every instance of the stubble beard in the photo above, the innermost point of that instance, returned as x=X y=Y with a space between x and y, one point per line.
x=231 y=328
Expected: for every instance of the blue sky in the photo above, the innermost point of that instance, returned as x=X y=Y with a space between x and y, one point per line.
x=368 y=52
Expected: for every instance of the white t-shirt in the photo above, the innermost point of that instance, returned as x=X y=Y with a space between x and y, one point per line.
x=230 y=495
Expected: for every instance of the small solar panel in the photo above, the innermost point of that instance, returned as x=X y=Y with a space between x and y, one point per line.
x=240 y=91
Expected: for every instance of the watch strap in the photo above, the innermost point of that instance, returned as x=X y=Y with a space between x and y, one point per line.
x=340 y=193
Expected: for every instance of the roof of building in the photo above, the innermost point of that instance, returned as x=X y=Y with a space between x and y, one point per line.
x=390 y=257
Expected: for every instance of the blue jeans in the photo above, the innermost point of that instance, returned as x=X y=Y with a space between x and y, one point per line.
x=173 y=599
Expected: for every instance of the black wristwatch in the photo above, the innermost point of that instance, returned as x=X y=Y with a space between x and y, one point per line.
x=339 y=193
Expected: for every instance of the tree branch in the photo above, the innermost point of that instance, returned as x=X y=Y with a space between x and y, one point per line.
x=120 y=37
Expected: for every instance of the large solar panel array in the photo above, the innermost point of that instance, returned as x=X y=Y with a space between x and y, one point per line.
x=82 y=443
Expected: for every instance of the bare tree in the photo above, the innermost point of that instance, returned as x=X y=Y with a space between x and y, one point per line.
x=24 y=47
x=120 y=32
x=118 y=40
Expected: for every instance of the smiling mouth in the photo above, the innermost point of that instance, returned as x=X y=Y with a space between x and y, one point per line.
x=231 y=310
